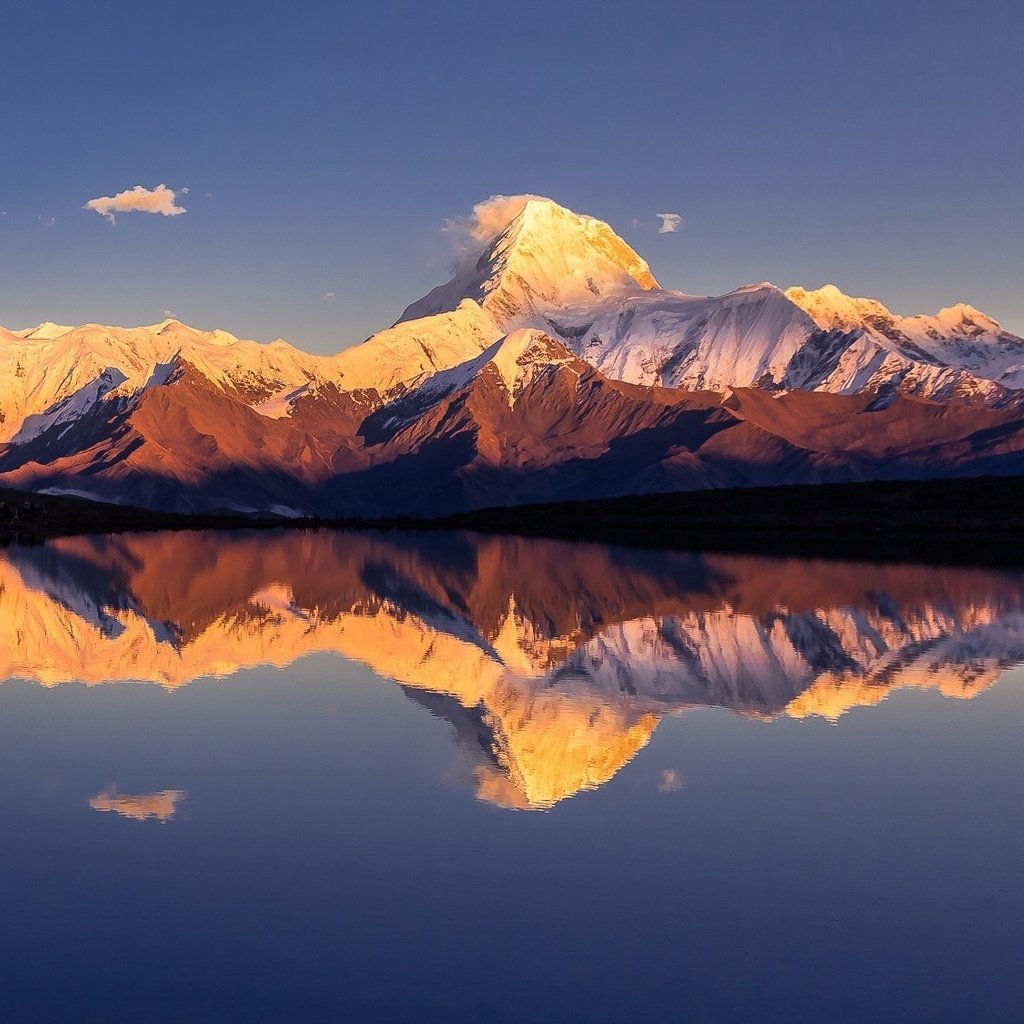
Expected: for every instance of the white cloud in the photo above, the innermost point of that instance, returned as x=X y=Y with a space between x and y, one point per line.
x=328 y=296
x=142 y=200
x=184 y=190
x=669 y=222
x=488 y=218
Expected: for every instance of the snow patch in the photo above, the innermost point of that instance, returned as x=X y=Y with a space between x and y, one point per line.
x=280 y=405
x=70 y=408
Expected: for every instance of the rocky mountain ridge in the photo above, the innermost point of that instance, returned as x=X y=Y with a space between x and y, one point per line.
x=552 y=366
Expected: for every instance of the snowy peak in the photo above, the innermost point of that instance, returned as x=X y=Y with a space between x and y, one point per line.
x=543 y=224
x=544 y=259
x=744 y=338
x=45 y=331
x=513 y=362
x=959 y=352
x=52 y=374
x=965 y=319
x=831 y=309
x=182 y=334
x=164 y=325
x=521 y=355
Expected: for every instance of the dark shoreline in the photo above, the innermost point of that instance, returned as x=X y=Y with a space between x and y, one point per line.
x=976 y=521
x=969 y=521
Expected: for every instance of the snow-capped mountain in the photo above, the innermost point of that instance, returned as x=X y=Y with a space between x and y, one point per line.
x=574 y=278
x=54 y=375
x=953 y=354
x=545 y=258
x=552 y=365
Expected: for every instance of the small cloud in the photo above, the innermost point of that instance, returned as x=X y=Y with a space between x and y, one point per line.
x=46 y=221
x=488 y=218
x=168 y=315
x=184 y=190
x=636 y=222
x=670 y=779
x=137 y=200
x=328 y=296
x=670 y=222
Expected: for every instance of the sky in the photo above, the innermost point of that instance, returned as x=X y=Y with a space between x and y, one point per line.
x=879 y=146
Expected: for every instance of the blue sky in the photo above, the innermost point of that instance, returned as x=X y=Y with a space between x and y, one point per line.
x=876 y=145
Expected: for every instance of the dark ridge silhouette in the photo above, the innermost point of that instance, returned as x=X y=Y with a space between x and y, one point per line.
x=969 y=521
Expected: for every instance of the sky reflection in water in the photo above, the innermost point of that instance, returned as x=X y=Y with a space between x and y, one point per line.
x=775 y=788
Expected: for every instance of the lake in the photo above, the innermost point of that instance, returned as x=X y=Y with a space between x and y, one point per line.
x=316 y=776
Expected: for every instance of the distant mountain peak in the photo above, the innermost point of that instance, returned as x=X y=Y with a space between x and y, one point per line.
x=831 y=308
x=46 y=331
x=164 y=325
x=963 y=314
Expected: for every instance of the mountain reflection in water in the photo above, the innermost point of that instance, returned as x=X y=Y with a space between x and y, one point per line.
x=553 y=662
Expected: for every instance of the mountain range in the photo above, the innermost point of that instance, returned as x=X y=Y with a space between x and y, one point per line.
x=552 y=366
x=552 y=662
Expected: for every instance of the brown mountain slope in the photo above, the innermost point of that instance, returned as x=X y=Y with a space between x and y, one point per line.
x=189 y=445
x=524 y=422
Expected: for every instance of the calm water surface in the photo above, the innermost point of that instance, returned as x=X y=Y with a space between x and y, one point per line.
x=299 y=776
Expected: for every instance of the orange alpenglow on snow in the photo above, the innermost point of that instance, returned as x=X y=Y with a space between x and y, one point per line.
x=550 y=354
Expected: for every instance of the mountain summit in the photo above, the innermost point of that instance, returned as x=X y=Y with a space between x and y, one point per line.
x=544 y=259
